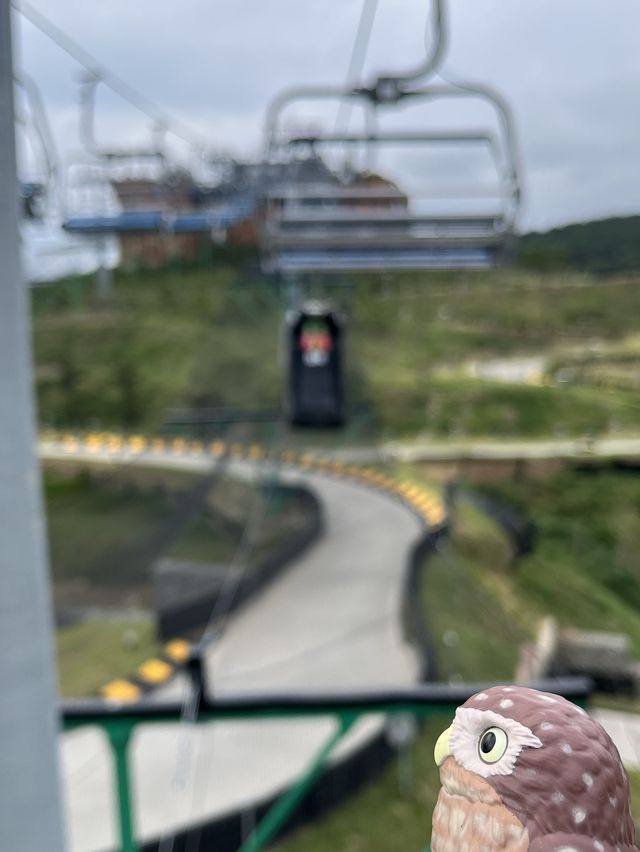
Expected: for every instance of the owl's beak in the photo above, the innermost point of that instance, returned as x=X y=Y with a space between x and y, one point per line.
x=441 y=751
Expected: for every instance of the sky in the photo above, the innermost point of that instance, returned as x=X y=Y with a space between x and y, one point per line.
x=570 y=70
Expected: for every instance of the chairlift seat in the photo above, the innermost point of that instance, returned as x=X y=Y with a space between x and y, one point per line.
x=158 y=221
x=132 y=221
x=382 y=259
x=305 y=238
x=392 y=232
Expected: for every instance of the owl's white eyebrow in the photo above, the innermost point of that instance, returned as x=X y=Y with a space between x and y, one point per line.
x=469 y=724
x=489 y=718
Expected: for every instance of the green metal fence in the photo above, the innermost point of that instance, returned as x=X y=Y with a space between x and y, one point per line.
x=120 y=721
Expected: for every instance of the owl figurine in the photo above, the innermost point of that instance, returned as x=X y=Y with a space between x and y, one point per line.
x=522 y=769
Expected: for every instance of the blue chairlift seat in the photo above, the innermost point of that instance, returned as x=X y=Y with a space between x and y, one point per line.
x=157 y=221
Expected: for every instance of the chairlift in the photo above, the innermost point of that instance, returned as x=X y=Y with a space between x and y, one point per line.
x=212 y=222
x=315 y=382
x=38 y=195
x=154 y=152
x=101 y=213
x=340 y=226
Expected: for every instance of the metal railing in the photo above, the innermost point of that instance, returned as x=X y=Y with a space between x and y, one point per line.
x=119 y=721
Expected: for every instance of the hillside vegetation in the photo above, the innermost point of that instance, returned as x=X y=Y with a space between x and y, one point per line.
x=213 y=338
x=605 y=245
x=106 y=528
x=584 y=568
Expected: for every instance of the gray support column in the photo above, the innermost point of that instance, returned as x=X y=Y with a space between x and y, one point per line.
x=30 y=802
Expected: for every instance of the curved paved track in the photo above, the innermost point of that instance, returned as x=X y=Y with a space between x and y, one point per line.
x=331 y=621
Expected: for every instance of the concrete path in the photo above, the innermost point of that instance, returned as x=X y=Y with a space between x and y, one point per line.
x=569 y=448
x=332 y=621
x=439 y=449
x=624 y=730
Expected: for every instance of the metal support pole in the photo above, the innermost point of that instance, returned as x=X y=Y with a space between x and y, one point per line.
x=119 y=735
x=30 y=801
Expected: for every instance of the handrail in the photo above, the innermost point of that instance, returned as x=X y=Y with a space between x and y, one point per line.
x=120 y=720
x=425 y=699
x=377 y=137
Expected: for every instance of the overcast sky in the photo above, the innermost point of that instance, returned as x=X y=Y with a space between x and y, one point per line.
x=569 y=68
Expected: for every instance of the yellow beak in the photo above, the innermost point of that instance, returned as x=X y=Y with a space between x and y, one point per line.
x=441 y=751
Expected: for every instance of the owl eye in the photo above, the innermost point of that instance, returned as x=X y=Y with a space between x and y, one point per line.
x=492 y=745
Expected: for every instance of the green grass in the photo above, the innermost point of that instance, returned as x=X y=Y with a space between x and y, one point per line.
x=88 y=523
x=106 y=528
x=92 y=653
x=165 y=340
x=212 y=338
x=584 y=569
x=466 y=597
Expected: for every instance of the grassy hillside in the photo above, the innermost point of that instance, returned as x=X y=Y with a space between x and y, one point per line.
x=91 y=654
x=584 y=569
x=212 y=338
x=474 y=621
x=107 y=527
x=604 y=245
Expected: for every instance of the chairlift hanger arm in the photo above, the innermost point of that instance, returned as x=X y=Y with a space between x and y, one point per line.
x=89 y=85
x=390 y=87
x=41 y=124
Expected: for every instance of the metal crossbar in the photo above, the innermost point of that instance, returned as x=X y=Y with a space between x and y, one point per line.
x=374 y=260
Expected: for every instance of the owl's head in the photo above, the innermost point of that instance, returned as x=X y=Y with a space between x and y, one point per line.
x=539 y=758
x=485 y=742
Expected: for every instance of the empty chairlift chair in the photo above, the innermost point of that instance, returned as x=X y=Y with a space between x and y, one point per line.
x=339 y=225
x=315 y=391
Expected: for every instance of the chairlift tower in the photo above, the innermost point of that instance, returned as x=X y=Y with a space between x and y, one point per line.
x=30 y=801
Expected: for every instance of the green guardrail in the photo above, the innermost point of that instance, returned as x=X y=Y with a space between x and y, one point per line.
x=120 y=721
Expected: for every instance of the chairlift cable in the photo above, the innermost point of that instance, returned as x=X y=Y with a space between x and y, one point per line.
x=109 y=78
x=356 y=62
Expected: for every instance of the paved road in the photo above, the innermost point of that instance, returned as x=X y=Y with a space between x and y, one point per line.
x=489 y=450
x=582 y=448
x=330 y=622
